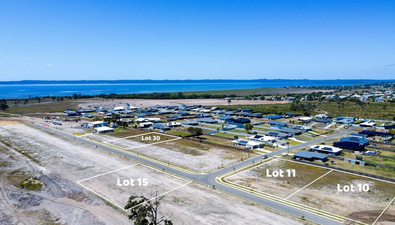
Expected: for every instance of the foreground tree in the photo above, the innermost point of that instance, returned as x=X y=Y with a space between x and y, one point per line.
x=146 y=212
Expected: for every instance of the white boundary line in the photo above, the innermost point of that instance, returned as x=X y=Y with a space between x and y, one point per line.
x=144 y=145
x=78 y=182
x=308 y=185
x=288 y=201
x=125 y=137
x=167 y=192
x=336 y=170
x=259 y=164
x=383 y=211
x=101 y=196
x=108 y=172
x=180 y=178
x=140 y=135
x=297 y=205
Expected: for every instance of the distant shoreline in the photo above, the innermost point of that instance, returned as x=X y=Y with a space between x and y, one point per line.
x=39 y=88
x=131 y=81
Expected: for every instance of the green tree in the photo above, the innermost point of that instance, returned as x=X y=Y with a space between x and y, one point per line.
x=248 y=127
x=195 y=131
x=146 y=212
x=115 y=117
x=3 y=106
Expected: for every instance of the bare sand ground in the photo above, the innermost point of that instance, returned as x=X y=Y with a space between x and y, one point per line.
x=63 y=160
x=388 y=215
x=145 y=182
x=3 y=122
x=191 y=155
x=169 y=102
x=256 y=178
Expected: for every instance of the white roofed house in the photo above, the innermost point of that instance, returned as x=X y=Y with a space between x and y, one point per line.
x=305 y=119
x=97 y=124
x=103 y=130
x=173 y=124
x=247 y=144
x=326 y=149
x=262 y=138
x=130 y=107
x=367 y=124
x=119 y=108
x=320 y=116
x=153 y=120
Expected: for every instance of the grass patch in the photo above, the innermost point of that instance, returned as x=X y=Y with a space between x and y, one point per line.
x=187 y=146
x=45 y=107
x=322 y=131
x=32 y=183
x=261 y=129
x=127 y=133
x=292 y=142
x=371 y=110
x=216 y=140
x=20 y=151
x=224 y=134
x=178 y=133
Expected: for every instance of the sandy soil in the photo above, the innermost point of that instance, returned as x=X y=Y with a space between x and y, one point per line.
x=60 y=201
x=323 y=193
x=165 y=102
x=119 y=193
x=194 y=156
x=61 y=162
x=256 y=178
x=4 y=122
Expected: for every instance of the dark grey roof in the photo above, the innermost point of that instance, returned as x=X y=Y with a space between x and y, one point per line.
x=225 y=118
x=276 y=134
x=310 y=155
x=290 y=130
x=207 y=120
x=277 y=123
x=242 y=120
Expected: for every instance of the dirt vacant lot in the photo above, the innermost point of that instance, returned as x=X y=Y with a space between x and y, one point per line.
x=59 y=163
x=136 y=179
x=192 y=155
x=322 y=194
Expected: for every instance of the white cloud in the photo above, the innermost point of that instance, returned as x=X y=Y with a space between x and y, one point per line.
x=23 y=64
x=49 y=64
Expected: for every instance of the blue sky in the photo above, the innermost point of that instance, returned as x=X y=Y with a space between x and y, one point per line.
x=68 y=40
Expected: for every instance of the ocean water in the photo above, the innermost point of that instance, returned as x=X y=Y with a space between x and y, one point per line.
x=24 y=89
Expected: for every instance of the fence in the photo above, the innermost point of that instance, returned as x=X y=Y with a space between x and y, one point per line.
x=350 y=171
x=381 y=142
x=384 y=149
x=366 y=163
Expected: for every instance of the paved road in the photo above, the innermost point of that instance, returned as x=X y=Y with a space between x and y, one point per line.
x=210 y=178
